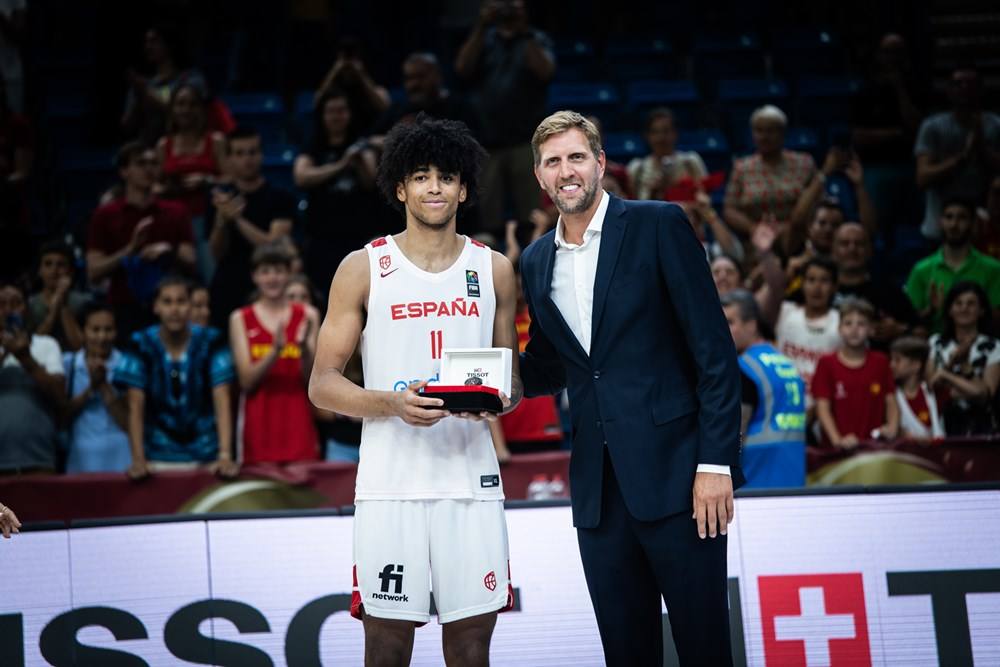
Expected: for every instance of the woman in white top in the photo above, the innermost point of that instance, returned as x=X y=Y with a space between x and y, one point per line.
x=964 y=362
x=806 y=332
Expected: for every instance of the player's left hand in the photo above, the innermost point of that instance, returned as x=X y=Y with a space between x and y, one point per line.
x=713 y=503
x=485 y=416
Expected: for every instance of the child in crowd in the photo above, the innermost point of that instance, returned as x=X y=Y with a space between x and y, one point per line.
x=806 y=332
x=97 y=412
x=853 y=387
x=201 y=306
x=178 y=376
x=919 y=418
x=55 y=309
x=274 y=342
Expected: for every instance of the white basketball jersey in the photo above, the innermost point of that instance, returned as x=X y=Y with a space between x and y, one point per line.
x=412 y=316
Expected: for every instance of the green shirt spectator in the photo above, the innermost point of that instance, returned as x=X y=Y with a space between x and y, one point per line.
x=956 y=260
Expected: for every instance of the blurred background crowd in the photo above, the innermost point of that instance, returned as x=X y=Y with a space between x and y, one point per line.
x=180 y=180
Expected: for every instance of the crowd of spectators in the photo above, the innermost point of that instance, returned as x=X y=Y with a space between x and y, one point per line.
x=182 y=332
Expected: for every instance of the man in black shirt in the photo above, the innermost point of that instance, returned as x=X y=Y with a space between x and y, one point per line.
x=248 y=213
x=425 y=92
x=851 y=252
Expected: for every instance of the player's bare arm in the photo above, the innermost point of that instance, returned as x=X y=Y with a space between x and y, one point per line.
x=338 y=337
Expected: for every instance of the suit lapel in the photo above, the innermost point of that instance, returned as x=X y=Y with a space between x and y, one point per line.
x=611 y=243
x=545 y=292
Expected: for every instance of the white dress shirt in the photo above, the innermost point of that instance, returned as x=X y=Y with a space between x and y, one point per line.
x=573 y=285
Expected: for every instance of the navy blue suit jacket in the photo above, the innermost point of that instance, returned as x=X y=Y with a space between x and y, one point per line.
x=661 y=385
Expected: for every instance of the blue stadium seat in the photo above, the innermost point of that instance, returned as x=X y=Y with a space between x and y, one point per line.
x=807 y=50
x=640 y=58
x=728 y=55
x=263 y=111
x=825 y=100
x=277 y=165
x=623 y=146
x=598 y=99
x=680 y=96
x=710 y=144
x=574 y=52
x=86 y=173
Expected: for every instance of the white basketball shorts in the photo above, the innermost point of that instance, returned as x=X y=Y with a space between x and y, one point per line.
x=405 y=548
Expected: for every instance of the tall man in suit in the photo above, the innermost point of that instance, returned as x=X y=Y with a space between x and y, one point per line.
x=624 y=314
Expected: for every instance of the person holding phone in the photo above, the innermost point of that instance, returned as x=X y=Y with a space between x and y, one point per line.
x=31 y=390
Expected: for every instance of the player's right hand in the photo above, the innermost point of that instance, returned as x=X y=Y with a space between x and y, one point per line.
x=417 y=410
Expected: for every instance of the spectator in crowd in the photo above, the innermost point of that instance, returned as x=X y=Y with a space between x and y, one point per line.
x=728 y=274
x=148 y=99
x=8 y=521
x=665 y=166
x=367 y=99
x=843 y=176
x=426 y=93
x=136 y=239
x=885 y=115
x=273 y=341
x=964 y=362
x=191 y=155
x=508 y=65
x=201 y=305
x=853 y=387
x=773 y=403
x=988 y=233
x=31 y=390
x=177 y=378
x=13 y=36
x=54 y=310
x=919 y=418
x=827 y=217
x=96 y=412
x=249 y=213
x=957 y=151
x=338 y=172
x=956 y=260
x=713 y=233
x=852 y=251
x=805 y=332
x=301 y=290
x=773 y=180
x=17 y=158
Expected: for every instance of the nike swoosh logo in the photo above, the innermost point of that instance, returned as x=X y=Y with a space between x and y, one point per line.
x=385 y=273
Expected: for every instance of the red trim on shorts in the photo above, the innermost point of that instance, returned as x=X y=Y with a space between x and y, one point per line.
x=357 y=608
x=379 y=241
x=510 y=592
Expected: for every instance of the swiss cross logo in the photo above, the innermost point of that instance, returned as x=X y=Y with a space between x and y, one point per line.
x=814 y=620
x=490 y=580
x=385 y=261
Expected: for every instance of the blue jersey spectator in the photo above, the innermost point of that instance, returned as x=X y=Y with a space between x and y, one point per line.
x=774 y=401
x=178 y=378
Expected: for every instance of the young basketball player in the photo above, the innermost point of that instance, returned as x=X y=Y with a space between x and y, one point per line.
x=429 y=501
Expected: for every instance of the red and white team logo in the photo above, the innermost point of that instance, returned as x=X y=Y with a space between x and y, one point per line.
x=490 y=580
x=814 y=619
x=385 y=261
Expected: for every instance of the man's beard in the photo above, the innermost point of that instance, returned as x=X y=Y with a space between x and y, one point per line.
x=589 y=195
x=429 y=224
x=957 y=239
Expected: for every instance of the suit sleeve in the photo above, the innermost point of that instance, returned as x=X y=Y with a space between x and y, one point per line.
x=684 y=268
x=542 y=370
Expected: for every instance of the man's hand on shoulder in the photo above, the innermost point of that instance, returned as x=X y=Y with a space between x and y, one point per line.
x=713 y=503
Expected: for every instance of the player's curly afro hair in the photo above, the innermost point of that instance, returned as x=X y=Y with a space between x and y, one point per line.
x=445 y=144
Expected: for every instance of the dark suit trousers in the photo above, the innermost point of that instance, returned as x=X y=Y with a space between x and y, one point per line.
x=629 y=564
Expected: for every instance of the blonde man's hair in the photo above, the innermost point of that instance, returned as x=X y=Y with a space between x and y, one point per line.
x=563 y=121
